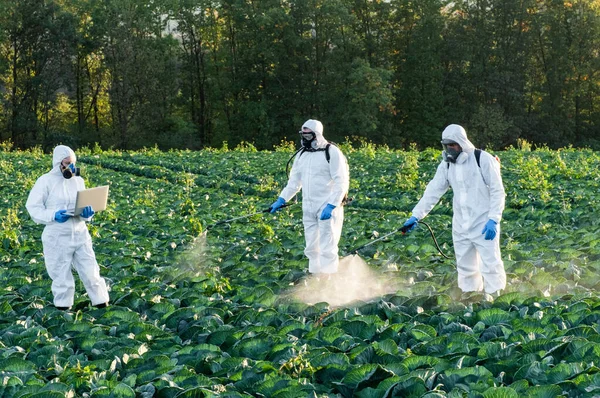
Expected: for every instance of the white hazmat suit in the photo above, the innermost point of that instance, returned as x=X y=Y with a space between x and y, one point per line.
x=65 y=244
x=322 y=183
x=478 y=197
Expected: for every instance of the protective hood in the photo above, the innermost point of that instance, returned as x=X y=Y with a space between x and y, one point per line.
x=61 y=152
x=317 y=127
x=457 y=133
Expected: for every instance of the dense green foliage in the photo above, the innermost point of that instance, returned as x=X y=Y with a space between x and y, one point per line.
x=203 y=310
x=194 y=73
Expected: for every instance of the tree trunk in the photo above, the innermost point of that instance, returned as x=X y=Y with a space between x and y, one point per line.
x=13 y=102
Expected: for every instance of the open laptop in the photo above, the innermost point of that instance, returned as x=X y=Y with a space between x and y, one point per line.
x=95 y=197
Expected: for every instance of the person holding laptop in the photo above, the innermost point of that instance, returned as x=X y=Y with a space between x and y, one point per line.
x=66 y=240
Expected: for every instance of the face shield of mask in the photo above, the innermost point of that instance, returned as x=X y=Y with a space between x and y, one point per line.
x=451 y=151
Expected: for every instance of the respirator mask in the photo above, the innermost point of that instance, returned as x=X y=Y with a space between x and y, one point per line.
x=71 y=171
x=451 y=151
x=307 y=138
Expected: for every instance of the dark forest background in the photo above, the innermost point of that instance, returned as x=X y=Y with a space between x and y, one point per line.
x=195 y=73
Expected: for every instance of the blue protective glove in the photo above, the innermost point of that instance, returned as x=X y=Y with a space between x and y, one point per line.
x=61 y=217
x=490 y=230
x=410 y=224
x=326 y=213
x=87 y=212
x=277 y=205
x=72 y=167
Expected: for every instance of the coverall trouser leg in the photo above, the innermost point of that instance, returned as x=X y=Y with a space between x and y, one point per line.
x=84 y=261
x=59 y=262
x=479 y=264
x=322 y=240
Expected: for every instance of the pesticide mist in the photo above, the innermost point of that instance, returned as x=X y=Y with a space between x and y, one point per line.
x=190 y=263
x=354 y=281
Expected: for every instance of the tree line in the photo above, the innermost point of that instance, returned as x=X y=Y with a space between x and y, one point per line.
x=197 y=73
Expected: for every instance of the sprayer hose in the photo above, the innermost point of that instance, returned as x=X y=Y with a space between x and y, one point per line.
x=437 y=246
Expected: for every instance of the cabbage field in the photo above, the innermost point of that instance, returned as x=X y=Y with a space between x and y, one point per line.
x=202 y=308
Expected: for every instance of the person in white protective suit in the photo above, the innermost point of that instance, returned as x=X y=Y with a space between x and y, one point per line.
x=66 y=240
x=321 y=171
x=477 y=206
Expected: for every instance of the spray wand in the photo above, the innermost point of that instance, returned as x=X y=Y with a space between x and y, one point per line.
x=404 y=230
x=246 y=216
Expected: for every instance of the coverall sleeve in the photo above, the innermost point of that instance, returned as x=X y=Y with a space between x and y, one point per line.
x=36 y=203
x=294 y=182
x=490 y=169
x=338 y=168
x=434 y=191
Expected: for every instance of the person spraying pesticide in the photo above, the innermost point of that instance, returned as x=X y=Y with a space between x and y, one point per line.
x=478 y=203
x=320 y=169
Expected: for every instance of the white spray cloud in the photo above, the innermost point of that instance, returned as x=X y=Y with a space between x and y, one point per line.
x=189 y=262
x=354 y=281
